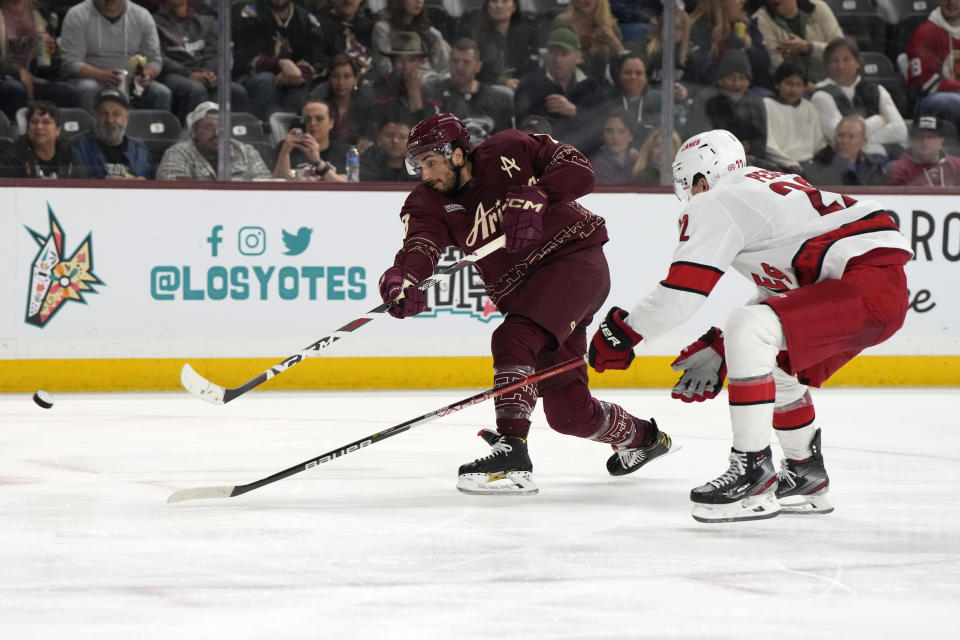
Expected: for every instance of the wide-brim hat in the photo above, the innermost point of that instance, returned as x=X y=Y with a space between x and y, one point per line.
x=405 y=43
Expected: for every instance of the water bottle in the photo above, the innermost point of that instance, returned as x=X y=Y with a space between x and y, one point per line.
x=353 y=165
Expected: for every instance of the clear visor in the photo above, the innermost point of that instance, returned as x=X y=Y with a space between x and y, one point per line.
x=680 y=187
x=413 y=165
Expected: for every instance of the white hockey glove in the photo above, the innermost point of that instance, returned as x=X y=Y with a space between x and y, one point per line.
x=704 y=368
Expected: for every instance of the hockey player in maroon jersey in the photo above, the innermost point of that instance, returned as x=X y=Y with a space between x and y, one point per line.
x=830 y=283
x=549 y=281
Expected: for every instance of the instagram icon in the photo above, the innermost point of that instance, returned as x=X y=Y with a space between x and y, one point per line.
x=252 y=241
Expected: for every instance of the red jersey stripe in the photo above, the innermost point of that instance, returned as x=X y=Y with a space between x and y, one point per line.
x=692 y=277
x=809 y=258
x=759 y=391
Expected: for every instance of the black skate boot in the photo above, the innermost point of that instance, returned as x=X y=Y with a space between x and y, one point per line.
x=507 y=470
x=802 y=484
x=626 y=461
x=747 y=491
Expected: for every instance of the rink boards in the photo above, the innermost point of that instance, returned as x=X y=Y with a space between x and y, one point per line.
x=117 y=288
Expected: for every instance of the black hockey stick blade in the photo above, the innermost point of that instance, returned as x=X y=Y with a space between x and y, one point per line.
x=215 y=394
x=200 y=493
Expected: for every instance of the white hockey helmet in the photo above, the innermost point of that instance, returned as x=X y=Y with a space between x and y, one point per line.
x=710 y=154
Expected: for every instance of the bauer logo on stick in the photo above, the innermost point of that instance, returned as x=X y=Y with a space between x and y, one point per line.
x=55 y=278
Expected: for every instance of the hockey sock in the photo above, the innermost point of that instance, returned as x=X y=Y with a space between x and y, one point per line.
x=751 y=411
x=752 y=340
x=794 y=426
x=513 y=409
x=621 y=429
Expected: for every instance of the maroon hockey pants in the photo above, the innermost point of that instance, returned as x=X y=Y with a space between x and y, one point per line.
x=547 y=323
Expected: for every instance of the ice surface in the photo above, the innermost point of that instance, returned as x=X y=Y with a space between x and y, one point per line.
x=379 y=544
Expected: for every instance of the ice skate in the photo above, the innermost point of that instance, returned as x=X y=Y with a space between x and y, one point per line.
x=802 y=484
x=628 y=460
x=747 y=491
x=507 y=470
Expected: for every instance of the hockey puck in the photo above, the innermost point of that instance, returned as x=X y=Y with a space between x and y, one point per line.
x=43 y=399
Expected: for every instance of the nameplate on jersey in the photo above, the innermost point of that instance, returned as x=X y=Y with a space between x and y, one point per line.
x=453 y=208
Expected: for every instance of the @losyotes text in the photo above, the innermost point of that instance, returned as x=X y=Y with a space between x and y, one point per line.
x=337 y=282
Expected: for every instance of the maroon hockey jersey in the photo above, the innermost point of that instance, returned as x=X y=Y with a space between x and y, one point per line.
x=471 y=217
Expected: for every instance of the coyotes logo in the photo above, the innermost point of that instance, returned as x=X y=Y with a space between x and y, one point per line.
x=56 y=279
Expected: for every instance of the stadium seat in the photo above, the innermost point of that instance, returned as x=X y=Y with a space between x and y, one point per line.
x=280 y=125
x=157 y=128
x=861 y=21
x=246 y=127
x=7 y=129
x=904 y=17
x=73 y=122
x=879 y=68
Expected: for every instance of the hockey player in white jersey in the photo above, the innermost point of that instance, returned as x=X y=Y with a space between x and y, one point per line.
x=830 y=283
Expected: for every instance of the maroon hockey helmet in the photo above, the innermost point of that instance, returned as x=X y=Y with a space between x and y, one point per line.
x=442 y=133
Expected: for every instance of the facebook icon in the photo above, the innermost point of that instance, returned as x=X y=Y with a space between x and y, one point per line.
x=215 y=239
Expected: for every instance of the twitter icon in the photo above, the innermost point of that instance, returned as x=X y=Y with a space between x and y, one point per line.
x=296 y=243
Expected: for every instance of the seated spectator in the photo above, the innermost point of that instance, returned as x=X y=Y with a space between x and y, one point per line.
x=844 y=161
x=600 y=38
x=347 y=27
x=683 y=61
x=613 y=162
x=188 y=41
x=718 y=25
x=484 y=110
x=798 y=30
x=536 y=125
x=925 y=163
x=308 y=152
x=409 y=16
x=384 y=161
x=845 y=93
x=40 y=153
x=352 y=104
x=632 y=92
x=509 y=42
x=277 y=54
x=197 y=158
x=933 y=71
x=113 y=44
x=402 y=90
x=730 y=105
x=24 y=75
x=646 y=170
x=793 y=126
x=562 y=92
x=634 y=16
x=107 y=152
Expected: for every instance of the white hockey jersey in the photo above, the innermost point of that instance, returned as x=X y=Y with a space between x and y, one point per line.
x=776 y=229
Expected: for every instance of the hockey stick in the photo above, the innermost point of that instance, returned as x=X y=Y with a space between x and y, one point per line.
x=199 y=493
x=215 y=394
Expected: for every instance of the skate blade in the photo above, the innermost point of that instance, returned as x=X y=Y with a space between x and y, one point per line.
x=812 y=504
x=515 y=483
x=758 y=507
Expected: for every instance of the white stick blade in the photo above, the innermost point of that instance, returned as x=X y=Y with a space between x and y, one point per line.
x=200 y=386
x=200 y=493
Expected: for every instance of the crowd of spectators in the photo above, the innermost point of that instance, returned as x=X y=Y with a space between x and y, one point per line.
x=797 y=81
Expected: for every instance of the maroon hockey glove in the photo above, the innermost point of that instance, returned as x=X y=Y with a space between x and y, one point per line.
x=523 y=216
x=612 y=344
x=704 y=367
x=395 y=282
